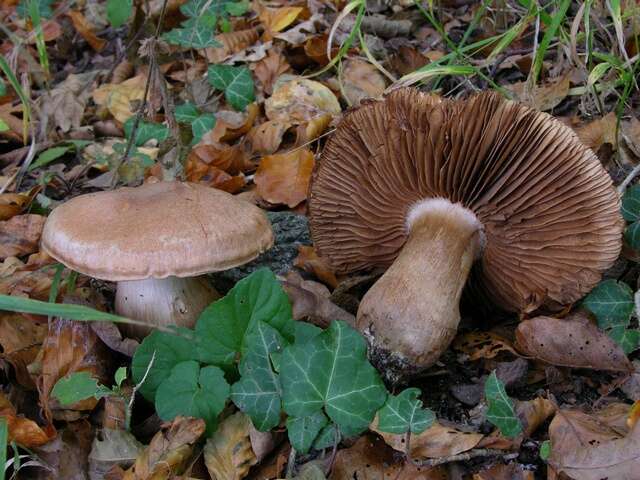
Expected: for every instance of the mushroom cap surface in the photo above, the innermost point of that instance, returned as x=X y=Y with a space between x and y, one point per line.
x=156 y=230
x=550 y=216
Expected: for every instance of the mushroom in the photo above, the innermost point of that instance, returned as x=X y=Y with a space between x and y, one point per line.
x=154 y=240
x=439 y=190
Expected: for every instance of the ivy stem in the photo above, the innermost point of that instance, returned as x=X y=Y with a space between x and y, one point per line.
x=291 y=463
x=334 y=451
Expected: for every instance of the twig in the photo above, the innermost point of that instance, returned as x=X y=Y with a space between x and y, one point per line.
x=127 y=414
x=461 y=457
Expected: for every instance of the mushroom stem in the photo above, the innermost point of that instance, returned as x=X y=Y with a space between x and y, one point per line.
x=163 y=302
x=411 y=313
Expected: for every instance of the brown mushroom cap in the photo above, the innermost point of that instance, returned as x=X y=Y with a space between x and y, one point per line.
x=155 y=231
x=549 y=213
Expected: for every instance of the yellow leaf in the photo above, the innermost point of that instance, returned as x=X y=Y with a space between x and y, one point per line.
x=280 y=18
x=117 y=98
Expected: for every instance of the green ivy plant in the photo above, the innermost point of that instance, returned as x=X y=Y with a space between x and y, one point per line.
x=200 y=122
x=236 y=83
x=631 y=213
x=501 y=411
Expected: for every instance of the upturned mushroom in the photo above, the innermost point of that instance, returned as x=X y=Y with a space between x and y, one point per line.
x=155 y=241
x=437 y=191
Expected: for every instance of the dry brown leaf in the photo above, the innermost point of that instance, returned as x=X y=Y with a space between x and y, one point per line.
x=571 y=342
x=309 y=261
x=436 y=441
x=11 y=204
x=266 y=138
x=71 y=347
x=232 y=42
x=370 y=459
x=21 y=337
x=361 y=80
x=269 y=69
x=27 y=279
x=50 y=31
x=299 y=100
x=20 y=235
x=634 y=415
x=14 y=123
x=230 y=125
x=631 y=134
x=65 y=104
x=24 y=431
x=407 y=60
x=117 y=98
x=169 y=452
x=284 y=178
x=84 y=28
x=316 y=49
x=598 y=132
x=232 y=159
x=483 y=345
x=228 y=453
x=66 y=456
x=312 y=301
x=510 y=471
x=585 y=447
x=308 y=132
x=543 y=97
x=199 y=171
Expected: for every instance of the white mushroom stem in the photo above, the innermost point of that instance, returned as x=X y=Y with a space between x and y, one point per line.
x=411 y=314
x=163 y=302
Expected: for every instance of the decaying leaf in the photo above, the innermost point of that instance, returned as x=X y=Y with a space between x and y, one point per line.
x=543 y=97
x=66 y=456
x=21 y=337
x=316 y=49
x=232 y=42
x=308 y=132
x=587 y=447
x=407 y=60
x=269 y=69
x=85 y=29
x=284 y=177
x=117 y=98
x=298 y=100
x=24 y=431
x=169 y=452
x=598 y=132
x=228 y=453
x=370 y=459
x=436 y=441
x=112 y=447
x=218 y=167
x=266 y=138
x=362 y=80
x=309 y=261
x=65 y=104
x=11 y=204
x=571 y=342
x=27 y=279
x=230 y=125
x=20 y=235
x=482 y=345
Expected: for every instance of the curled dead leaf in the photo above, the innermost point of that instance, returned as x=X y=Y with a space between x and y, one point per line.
x=308 y=132
x=230 y=125
x=571 y=342
x=232 y=159
x=483 y=345
x=309 y=261
x=299 y=100
x=20 y=235
x=198 y=171
x=25 y=432
x=266 y=138
x=169 y=452
x=228 y=453
x=284 y=178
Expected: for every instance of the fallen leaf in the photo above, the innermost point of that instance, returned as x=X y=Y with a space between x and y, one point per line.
x=230 y=125
x=436 y=441
x=66 y=456
x=232 y=159
x=316 y=49
x=228 y=453
x=71 y=347
x=232 y=42
x=299 y=100
x=117 y=98
x=309 y=261
x=284 y=178
x=21 y=337
x=112 y=447
x=634 y=415
x=631 y=134
x=8 y=115
x=510 y=471
x=217 y=178
x=20 y=235
x=571 y=342
x=66 y=103
x=407 y=60
x=370 y=459
x=84 y=28
x=266 y=138
x=169 y=452
x=269 y=69
x=584 y=447
x=300 y=33
x=11 y=204
x=482 y=345
x=543 y=97
x=311 y=301
x=24 y=431
x=50 y=31
x=277 y=19
x=361 y=80
x=27 y=279
x=308 y=132
x=598 y=132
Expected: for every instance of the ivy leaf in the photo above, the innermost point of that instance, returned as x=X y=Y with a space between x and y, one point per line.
x=631 y=204
x=223 y=325
x=303 y=431
x=501 y=412
x=202 y=125
x=146 y=131
x=632 y=235
x=331 y=371
x=545 y=450
x=196 y=35
x=258 y=392
x=611 y=302
x=237 y=8
x=328 y=437
x=120 y=376
x=404 y=413
x=76 y=387
x=119 y=11
x=193 y=392
x=186 y=113
x=628 y=339
x=236 y=82
x=305 y=332
x=169 y=351
x=44 y=8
